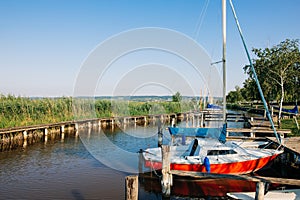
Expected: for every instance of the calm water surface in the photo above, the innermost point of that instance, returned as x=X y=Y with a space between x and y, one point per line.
x=73 y=168
x=91 y=166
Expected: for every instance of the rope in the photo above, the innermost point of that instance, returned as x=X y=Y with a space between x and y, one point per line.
x=200 y=19
x=154 y=170
x=254 y=73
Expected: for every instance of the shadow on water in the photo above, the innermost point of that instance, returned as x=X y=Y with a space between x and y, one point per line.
x=77 y=194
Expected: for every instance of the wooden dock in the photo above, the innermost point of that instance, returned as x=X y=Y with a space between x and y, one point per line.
x=258 y=131
x=11 y=138
x=283 y=181
x=292 y=143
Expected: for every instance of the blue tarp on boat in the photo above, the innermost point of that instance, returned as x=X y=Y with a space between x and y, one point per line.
x=213 y=106
x=293 y=111
x=218 y=133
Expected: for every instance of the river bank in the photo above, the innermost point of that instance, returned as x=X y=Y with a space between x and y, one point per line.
x=26 y=111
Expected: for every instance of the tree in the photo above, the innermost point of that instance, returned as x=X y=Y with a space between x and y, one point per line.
x=249 y=90
x=177 y=97
x=277 y=68
x=235 y=96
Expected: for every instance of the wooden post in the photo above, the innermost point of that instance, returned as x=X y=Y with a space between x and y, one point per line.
x=202 y=119
x=159 y=134
x=62 y=128
x=173 y=122
x=295 y=118
x=187 y=120
x=46 y=135
x=260 y=190
x=76 y=127
x=281 y=135
x=112 y=122
x=193 y=120
x=166 y=181
x=25 y=135
x=252 y=133
x=134 y=120
x=272 y=111
x=25 y=138
x=131 y=187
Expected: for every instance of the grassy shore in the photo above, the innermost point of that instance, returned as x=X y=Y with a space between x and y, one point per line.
x=21 y=111
x=285 y=123
x=291 y=124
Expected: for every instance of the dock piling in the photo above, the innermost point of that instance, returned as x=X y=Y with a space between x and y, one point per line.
x=62 y=128
x=260 y=190
x=24 y=138
x=159 y=133
x=131 y=187
x=25 y=135
x=76 y=127
x=167 y=179
x=173 y=122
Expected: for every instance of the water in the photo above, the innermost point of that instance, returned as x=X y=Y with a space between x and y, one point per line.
x=92 y=165
x=73 y=168
x=60 y=170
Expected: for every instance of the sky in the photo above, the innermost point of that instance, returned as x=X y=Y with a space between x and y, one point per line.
x=46 y=45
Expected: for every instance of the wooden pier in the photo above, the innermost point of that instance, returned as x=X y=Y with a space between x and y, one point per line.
x=258 y=132
x=11 y=138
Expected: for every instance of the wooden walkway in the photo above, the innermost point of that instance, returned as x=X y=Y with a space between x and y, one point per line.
x=292 y=144
x=201 y=175
x=255 y=131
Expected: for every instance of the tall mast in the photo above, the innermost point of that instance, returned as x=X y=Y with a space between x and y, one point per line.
x=224 y=57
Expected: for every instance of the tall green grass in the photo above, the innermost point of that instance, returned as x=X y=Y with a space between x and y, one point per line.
x=291 y=124
x=22 y=111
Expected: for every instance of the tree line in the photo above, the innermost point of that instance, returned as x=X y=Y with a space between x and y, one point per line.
x=278 y=71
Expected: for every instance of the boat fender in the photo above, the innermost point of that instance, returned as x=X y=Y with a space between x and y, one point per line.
x=183 y=140
x=207 y=164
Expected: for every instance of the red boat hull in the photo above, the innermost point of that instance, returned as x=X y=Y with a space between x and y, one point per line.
x=244 y=167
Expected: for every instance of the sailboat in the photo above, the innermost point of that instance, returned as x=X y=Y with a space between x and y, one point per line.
x=209 y=151
x=207 y=154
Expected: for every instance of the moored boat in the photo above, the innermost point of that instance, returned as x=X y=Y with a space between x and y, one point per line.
x=210 y=155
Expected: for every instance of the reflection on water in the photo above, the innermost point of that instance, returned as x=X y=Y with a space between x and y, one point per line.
x=60 y=170
x=70 y=168
x=118 y=148
x=92 y=165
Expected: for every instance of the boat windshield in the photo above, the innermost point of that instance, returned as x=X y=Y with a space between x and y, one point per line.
x=220 y=152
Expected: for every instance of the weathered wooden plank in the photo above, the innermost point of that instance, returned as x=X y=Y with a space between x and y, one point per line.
x=283 y=181
x=257 y=130
x=131 y=187
x=291 y=144
x=166 y=181
x=260 y=190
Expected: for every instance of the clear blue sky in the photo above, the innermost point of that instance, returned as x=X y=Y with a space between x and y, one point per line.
x=44 y=43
